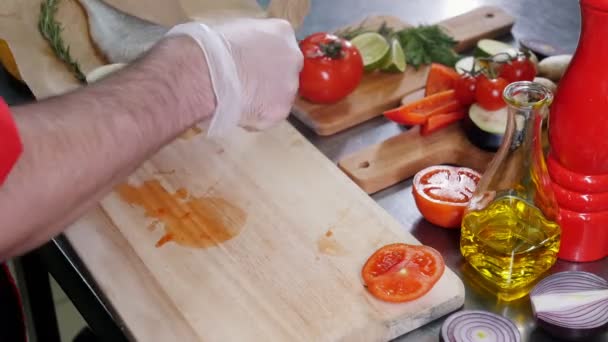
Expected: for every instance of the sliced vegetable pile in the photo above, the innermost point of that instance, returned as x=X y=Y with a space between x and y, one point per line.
x=441 y=106
x=571 y=305
x=400 y=272
x=442 y=193
x=472 y=90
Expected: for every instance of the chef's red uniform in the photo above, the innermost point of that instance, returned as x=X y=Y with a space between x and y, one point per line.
x=10 y=144
x=12 y=326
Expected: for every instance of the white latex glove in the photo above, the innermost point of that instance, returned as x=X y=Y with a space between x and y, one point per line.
x=254 y=66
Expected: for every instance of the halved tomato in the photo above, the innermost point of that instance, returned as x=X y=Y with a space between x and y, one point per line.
x=442 y=193
x=400 y=272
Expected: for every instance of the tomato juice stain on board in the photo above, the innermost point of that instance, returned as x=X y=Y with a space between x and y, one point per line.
x=328 y=245
x=152 y=226
x=188 y=221
x=181 y=193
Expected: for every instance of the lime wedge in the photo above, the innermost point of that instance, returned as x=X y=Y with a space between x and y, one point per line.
x=373 y=48
x=396 y=59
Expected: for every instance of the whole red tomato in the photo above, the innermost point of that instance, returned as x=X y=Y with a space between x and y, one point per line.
x=489 y=92
x=465 y=88
x=333 y=68
x=519 y=69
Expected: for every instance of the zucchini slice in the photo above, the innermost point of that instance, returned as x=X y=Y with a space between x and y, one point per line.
x=484 y=128
x=466 y=64
x=490 y=47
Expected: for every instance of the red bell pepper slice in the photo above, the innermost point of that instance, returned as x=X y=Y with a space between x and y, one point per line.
x=417 y=112
x=439 y=121
x=440 y=78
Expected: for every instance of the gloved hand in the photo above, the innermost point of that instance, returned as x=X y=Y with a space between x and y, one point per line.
x=254 y=66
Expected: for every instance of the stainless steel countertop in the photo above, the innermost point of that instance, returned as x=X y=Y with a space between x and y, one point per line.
x=555 y=21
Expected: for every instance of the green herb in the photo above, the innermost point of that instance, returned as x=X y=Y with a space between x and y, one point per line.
x=424 y=44
x=427 y=44
x=51 y=30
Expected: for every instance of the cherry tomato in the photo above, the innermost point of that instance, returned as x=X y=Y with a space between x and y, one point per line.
x=400 y=272
x=465 y=89
x=489 y=92
x=519 y=69
x=333 y=68
x=442 y=193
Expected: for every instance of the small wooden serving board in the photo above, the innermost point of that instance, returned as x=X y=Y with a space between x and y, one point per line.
x=398 y=158
x=381 y=91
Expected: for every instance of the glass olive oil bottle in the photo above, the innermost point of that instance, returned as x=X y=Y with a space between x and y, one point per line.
x=509 y=234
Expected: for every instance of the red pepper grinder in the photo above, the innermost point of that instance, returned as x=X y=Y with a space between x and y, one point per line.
x=578 y=137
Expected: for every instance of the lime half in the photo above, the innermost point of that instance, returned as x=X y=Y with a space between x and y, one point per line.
x=374 y=49
x=396 y=59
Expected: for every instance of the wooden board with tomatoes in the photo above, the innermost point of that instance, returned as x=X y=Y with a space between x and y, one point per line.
x=379 y=91
x=439 y=135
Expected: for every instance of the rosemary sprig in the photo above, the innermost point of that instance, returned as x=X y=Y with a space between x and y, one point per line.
x=51 y=30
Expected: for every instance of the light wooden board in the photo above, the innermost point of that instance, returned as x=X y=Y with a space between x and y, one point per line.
x=398 y=158
x=282 y=278
x=381 y=91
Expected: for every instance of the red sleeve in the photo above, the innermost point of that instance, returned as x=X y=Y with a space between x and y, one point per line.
x=10 y=143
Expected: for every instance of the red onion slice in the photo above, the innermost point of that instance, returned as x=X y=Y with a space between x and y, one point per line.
x=572 y=304
x=570 y=281
x=478 y=326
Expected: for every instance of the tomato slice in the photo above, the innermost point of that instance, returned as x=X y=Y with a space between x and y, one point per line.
x=400 y=272
x=442 y=193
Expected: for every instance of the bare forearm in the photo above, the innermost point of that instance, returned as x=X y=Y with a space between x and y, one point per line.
x=78 y=146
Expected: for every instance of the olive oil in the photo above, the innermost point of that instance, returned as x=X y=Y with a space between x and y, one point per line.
x=509 y=235
x=510 y=242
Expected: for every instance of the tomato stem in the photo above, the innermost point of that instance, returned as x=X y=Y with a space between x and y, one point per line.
x=333 y=49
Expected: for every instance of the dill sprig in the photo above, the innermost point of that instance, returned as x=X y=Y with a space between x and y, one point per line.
x=51 y=30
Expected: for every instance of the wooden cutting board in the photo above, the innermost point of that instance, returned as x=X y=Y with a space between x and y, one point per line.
x=266 y=242
x=381 y=91
x=379 y=166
